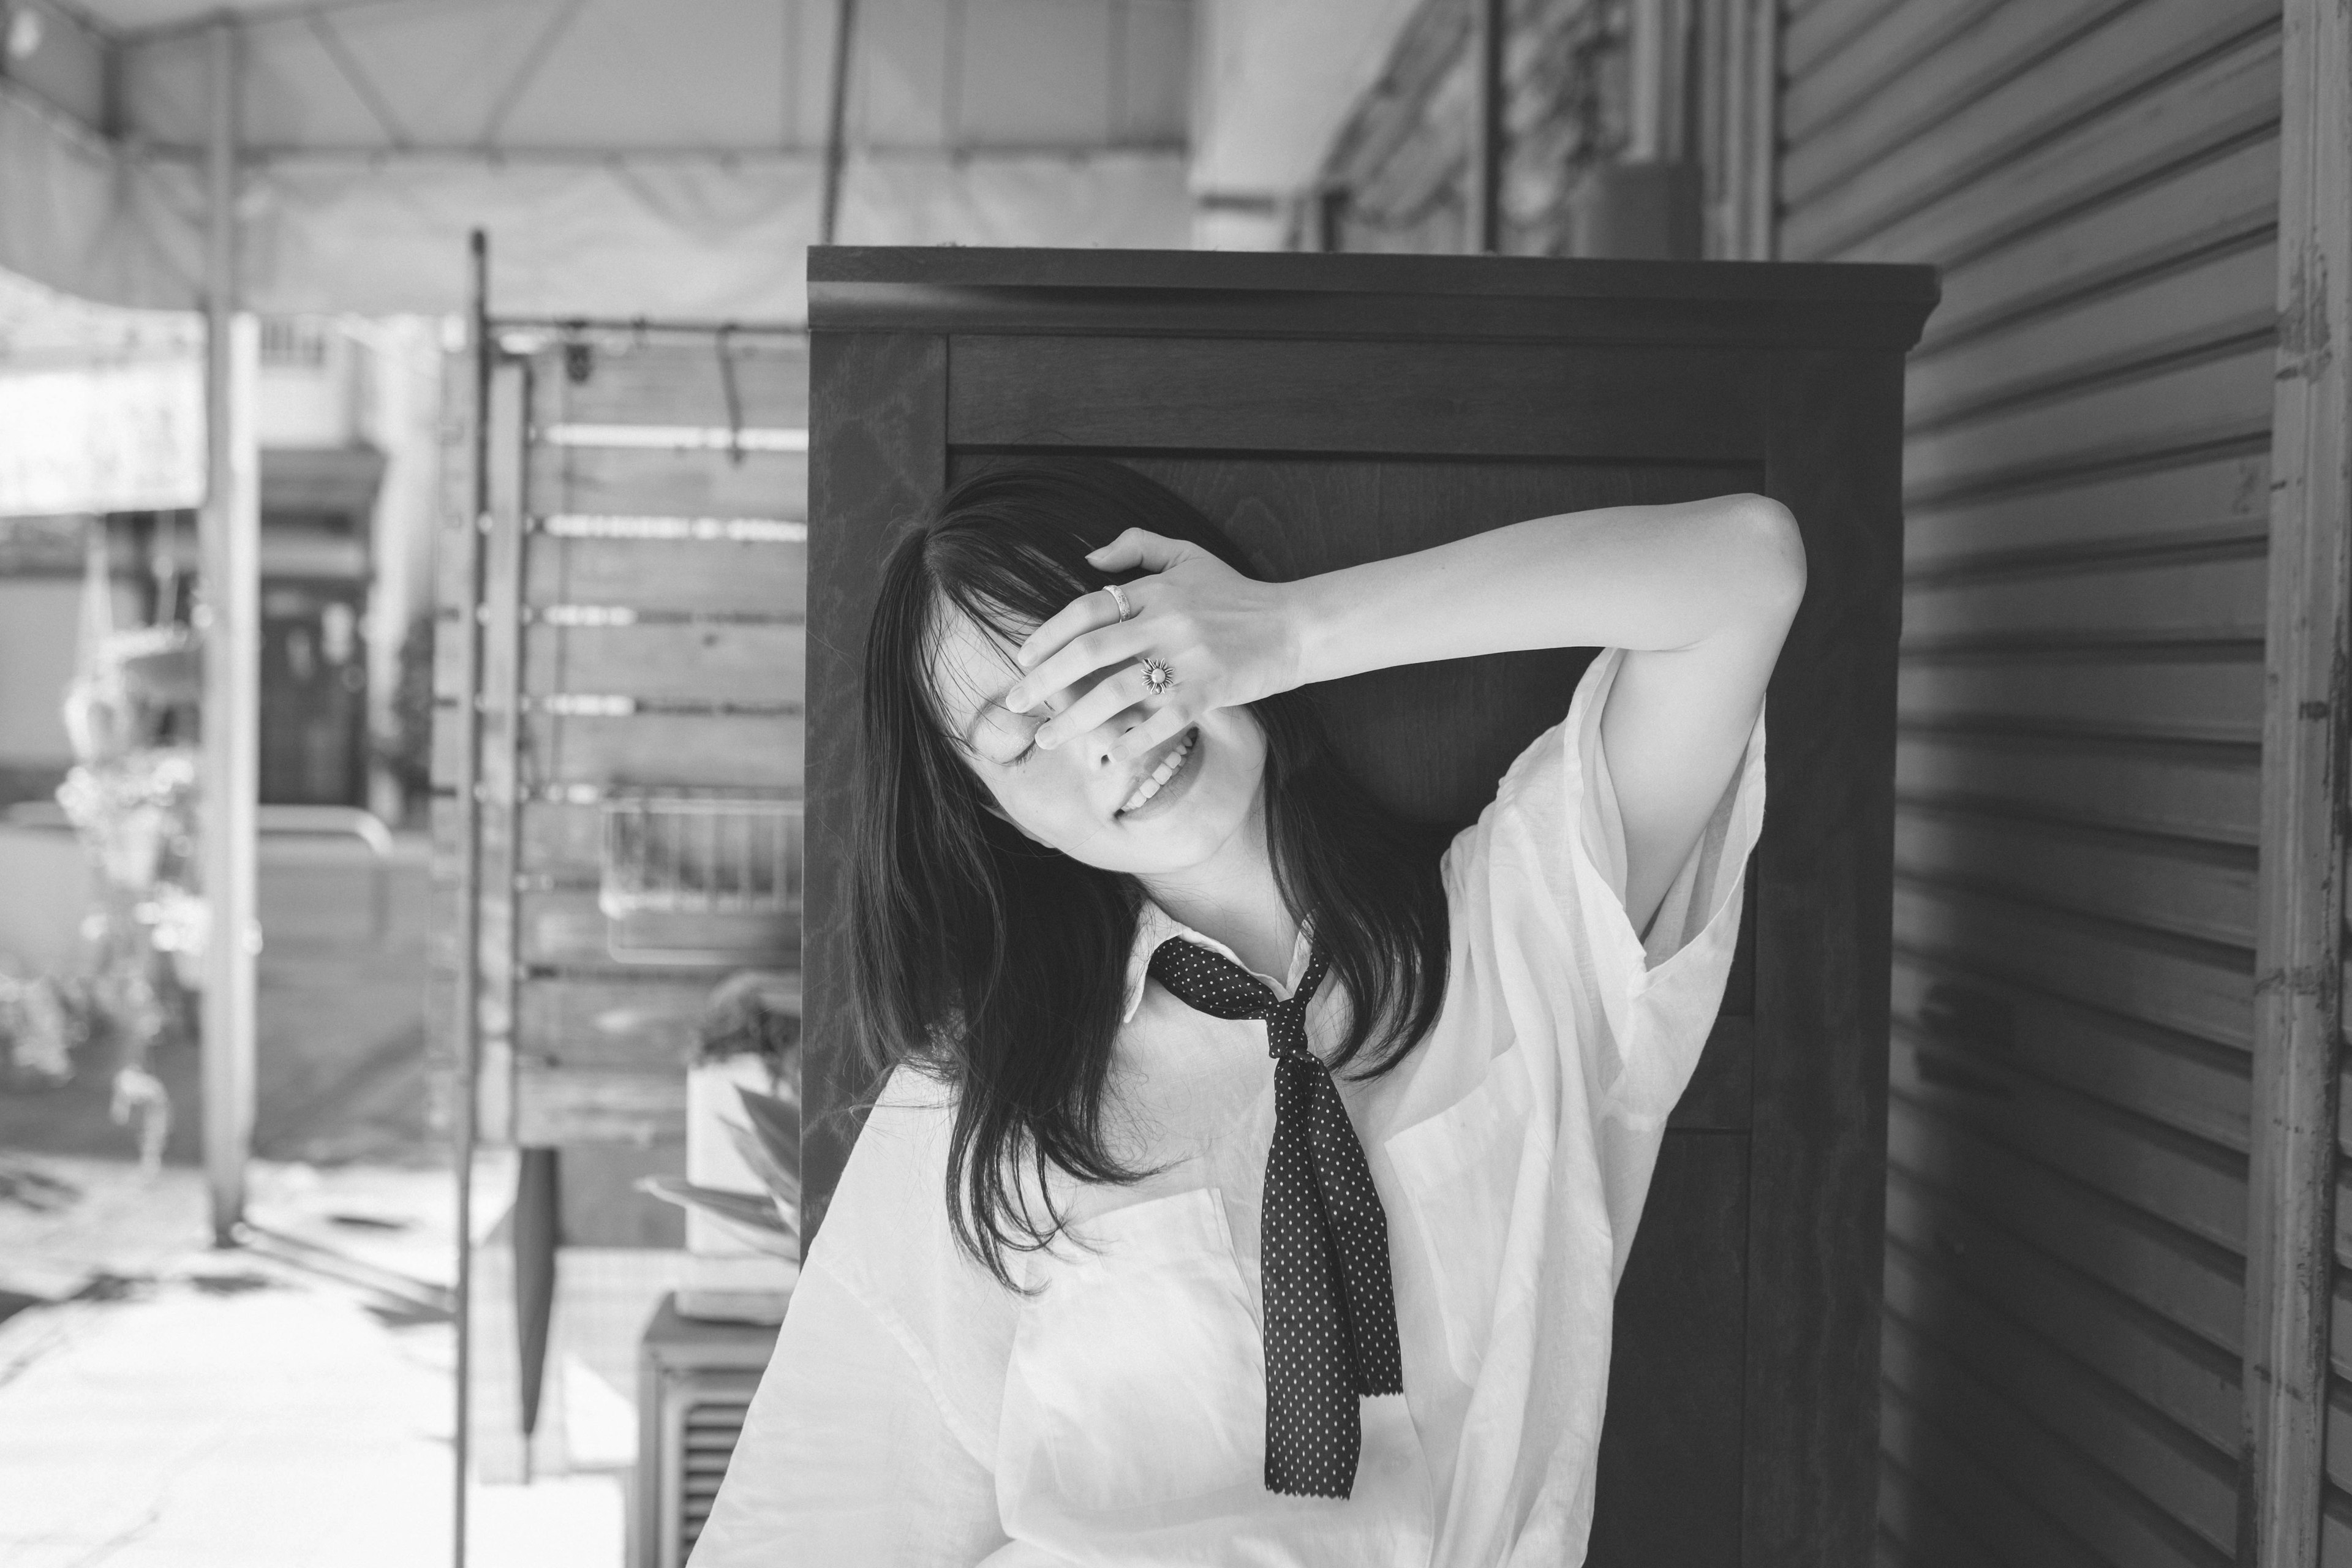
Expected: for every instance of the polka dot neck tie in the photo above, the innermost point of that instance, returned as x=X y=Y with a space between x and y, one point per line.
x=1330 y=1311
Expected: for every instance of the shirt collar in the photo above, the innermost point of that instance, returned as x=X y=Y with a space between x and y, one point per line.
x=1154 y=925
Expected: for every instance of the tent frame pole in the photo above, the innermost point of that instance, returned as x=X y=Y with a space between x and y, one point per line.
x=229 y=544
x=837 y=132
x=464 y=1088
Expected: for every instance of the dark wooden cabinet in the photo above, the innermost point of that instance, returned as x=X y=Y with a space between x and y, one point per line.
x=1332 y=409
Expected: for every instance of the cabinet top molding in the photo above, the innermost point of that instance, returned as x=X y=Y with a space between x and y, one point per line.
x=1204 y=293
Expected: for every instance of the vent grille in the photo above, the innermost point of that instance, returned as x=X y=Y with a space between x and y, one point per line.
x=710 y=1428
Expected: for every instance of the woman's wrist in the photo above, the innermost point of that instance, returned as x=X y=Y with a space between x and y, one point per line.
x=1314 y=616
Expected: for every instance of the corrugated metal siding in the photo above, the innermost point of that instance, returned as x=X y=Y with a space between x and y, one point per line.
x=2081 y=718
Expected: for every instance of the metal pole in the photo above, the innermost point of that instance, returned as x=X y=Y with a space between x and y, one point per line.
x=466 y=1036
x=836 y=134
x=1483 y=209
x=230 y=550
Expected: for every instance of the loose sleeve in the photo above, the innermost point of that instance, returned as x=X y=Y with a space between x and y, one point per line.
x=872 y=1437
x=1667 y=985
x=846 y=1455
x=1545 y=867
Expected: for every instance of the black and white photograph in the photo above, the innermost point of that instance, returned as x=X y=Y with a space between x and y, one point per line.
x=1175 y=784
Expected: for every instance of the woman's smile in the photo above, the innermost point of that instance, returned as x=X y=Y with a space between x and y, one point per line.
x=1173 y=773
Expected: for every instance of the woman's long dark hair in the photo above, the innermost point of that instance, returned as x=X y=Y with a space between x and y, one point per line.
x=997 y=966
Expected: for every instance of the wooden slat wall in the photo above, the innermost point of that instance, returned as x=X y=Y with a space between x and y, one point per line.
x=2081 y=720
x=704 y=638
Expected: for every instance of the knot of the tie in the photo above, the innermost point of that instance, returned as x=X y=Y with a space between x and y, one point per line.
x=1286 y=1021
x=1217 y=986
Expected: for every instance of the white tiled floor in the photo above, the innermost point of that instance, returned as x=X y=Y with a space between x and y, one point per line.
x=226 y=1410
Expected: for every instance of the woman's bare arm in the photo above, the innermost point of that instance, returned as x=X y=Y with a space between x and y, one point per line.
x=1699 y=594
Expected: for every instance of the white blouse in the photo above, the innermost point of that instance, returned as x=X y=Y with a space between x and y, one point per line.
x=918 y=1414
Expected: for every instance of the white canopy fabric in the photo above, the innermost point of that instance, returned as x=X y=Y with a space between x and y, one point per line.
x=102 y=409
x=1278 y=77
x=628 y=158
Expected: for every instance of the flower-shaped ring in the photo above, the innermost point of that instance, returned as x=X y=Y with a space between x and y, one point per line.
x=1157 y=676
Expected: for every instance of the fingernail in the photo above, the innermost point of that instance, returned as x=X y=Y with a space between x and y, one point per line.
x=1047 y=740
x=1017 y=700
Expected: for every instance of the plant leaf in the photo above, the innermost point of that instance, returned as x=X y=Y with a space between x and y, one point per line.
x=777 y=1124
x=782 y=1185
x=758 y=1223
x=737 y=1208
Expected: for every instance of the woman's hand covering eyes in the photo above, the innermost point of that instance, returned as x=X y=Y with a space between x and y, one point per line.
x=1230 y=639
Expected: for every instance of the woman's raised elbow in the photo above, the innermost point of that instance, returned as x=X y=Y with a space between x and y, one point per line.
x=1772 y=548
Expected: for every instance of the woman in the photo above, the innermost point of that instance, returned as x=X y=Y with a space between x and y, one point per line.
x=1104 y=1284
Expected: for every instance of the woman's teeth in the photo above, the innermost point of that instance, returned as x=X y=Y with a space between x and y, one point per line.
x=1161 y=774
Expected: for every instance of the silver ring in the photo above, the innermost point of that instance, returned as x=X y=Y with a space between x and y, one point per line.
x=1126 y=610
x=1157 y=676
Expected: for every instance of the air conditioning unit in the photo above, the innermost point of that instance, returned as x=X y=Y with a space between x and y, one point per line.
x=695 y=1381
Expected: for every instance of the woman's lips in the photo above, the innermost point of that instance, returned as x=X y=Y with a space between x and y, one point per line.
x=1173 y=786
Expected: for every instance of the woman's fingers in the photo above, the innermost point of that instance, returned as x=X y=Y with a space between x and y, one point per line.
x=1071 y=663
x=1111 y=695
x=1156 y=727
x=1075 y=619
x=1137 y=549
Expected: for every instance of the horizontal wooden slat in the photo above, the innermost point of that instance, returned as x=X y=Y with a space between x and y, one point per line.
x=2077 y=1460
x=2231 y=98
x=2207 y=499
x=719 y=663
x=2195 y=1287
x=704 y=577
x=2224 y=201
x=683 y=383
x=566 y=929
x=2207 y=793
x=635 y=1023
x=1938 y=134
x=568 y=1105
x=1881 y=55
x=2184 y=1180
x=2186 y=694
x=652 y=750
x=569 y=929
x=2206 y=991
x=1979 y=1270
x=1478 y=399
x=2198 y=403
x=2224 y=297
x=2174 y=1079
x=564 y=843
x=668 y=484
x=748 y=664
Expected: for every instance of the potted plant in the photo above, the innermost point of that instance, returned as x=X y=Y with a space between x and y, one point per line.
x=741 y=1190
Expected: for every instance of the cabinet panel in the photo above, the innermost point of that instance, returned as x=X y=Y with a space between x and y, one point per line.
x=1488 y=400
x=1331 y=410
